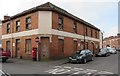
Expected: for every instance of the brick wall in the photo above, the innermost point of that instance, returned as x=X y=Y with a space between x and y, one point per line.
x=69 y=24
x=34 y=18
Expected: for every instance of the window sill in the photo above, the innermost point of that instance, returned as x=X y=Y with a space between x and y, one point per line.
x=28 y=53
x=28 y=29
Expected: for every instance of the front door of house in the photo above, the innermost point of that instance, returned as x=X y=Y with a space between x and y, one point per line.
x=75 y=46
x=44 y=48
x=17 y=53
x=61 y=47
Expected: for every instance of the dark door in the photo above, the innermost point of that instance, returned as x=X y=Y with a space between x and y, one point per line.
x=75 y=45
x=61 y=47
x=44 y=47
x=17 y=48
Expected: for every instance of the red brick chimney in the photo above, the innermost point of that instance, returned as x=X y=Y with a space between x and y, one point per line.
x=6 y=17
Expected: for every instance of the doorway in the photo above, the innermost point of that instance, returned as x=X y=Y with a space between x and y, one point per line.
x=44 y=48
x=75 y=46
x=17 y=53
x=61 y=47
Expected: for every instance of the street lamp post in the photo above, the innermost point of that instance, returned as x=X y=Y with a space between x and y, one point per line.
x=84 y=35
x=93 y=47
x=37 y=41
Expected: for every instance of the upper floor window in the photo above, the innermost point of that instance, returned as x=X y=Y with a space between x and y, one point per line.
x=91 y=33
x=75 y=27
x=86 y=31
x=18 y=25
x=60 y=22
x=28 y=23
x=8 y=28
x=95 y=34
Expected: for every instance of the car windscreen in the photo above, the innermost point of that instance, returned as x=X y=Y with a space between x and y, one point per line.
x=104 y=50
x=82 y=52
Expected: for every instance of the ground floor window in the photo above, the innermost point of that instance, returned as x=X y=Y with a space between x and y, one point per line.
x=75 y=45
x=61 y=46
x=86 y=45
x=8 y=46
x=28 y=46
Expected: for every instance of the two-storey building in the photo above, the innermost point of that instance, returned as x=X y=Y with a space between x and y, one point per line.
x=0 y=33
x=112 y=41
x=60 y=33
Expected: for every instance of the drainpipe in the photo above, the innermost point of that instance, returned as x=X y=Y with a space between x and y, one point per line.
x=12 y=37
x=84 y=35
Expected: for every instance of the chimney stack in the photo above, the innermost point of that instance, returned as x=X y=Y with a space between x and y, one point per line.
x=6 y=17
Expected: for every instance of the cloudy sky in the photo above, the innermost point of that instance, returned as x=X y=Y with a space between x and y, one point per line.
x=103 y=13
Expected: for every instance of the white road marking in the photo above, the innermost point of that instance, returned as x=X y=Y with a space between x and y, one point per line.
x=74 y=71
x=61 y=71
x=57 y=66
x=77 y=69
x=67 y=67
x=104 y=72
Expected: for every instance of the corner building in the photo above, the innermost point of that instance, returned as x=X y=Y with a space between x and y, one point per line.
x=60 y=33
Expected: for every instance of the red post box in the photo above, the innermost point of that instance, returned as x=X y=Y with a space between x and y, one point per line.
x=34 y=53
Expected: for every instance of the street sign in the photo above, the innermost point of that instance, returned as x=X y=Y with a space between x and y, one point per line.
x=37 y=39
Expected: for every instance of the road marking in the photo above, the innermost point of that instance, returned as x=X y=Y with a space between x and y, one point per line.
x=75 y=71
x=104 y=72
x=57 y=66
x=59 y=70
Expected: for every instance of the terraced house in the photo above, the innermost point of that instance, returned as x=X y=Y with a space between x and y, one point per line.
x=60 y=33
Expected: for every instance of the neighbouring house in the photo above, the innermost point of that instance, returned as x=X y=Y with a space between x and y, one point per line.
x=112 y=41
x=58 y=33
x=0 y=33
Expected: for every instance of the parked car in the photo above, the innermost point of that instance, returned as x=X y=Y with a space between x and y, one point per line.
x=118 y=49
x=4 y=74
x=81 y=56
x=103 y=52
x=4 y=55
x=112 y=50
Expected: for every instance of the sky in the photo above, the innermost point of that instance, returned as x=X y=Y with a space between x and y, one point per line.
x=101 y=13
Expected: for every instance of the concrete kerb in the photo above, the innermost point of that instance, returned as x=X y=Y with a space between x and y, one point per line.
x=24 y=61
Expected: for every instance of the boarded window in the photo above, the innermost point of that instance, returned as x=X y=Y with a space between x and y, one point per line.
x=91 y=33
x=61 y=46
x=75 y=45
x=28 y=46
x=95 y=34
x=86 y=34
x=8 y=46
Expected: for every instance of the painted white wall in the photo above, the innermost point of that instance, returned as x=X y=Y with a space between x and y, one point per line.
x=0 y=32
x=45 y=22
x=20 y=34
x=101 y=40
x=67 y=34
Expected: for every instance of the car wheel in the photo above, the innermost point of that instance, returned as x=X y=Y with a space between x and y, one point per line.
x=92 y=59
x=85 y=60
x=4 y=60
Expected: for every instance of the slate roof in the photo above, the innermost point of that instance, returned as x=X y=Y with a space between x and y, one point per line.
x=50 y=7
